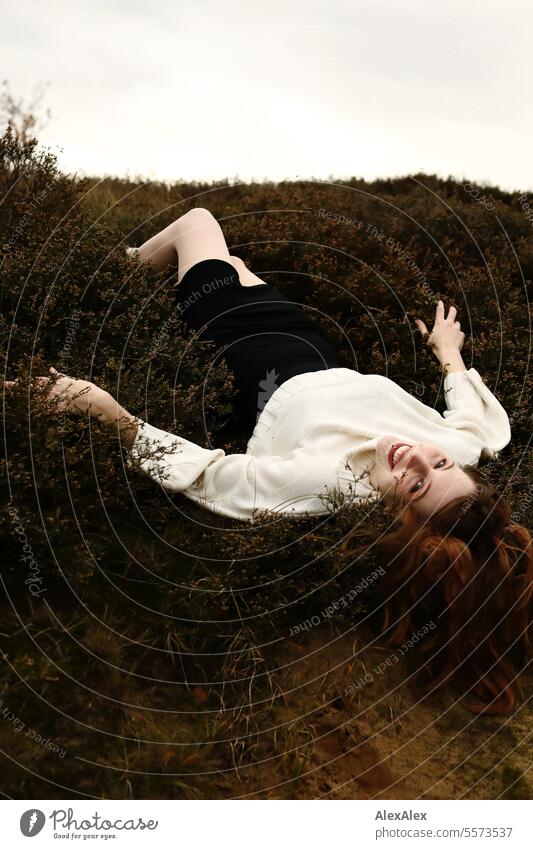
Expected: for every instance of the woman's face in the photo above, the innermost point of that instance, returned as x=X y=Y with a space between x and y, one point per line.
x=419 y=472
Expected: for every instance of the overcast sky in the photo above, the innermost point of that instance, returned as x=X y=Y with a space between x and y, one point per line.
x=207 y=89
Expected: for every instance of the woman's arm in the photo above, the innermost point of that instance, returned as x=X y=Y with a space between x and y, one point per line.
x=236 y=485
x=85 y=397
x=472 y=407
x=112 y=413
x=68 y=394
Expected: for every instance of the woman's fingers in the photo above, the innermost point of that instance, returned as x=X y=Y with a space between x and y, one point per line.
x=38 y=379
x=440 y=313
x=421 y=326
x=57 y=387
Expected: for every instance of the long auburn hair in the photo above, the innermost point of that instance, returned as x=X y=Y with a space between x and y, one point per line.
x=469 y=569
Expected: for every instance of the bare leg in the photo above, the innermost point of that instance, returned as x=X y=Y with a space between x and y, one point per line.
x=192 y=238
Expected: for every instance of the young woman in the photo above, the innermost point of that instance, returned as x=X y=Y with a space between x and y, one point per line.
x=318 y=429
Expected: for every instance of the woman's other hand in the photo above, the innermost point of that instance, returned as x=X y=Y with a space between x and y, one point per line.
x=74 y=395
x=446 y=339
x=82 y=396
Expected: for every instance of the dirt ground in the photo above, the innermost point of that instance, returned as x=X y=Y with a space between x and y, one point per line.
x=379 y=742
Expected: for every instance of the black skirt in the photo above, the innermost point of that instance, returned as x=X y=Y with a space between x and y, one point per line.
x=264 y=337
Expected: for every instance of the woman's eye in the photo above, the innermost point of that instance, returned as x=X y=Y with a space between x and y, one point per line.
x=419 y=484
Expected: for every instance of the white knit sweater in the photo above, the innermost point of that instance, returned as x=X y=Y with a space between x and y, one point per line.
x=314 y=443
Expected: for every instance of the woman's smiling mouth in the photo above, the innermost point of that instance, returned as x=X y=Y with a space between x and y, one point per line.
x=396 y=451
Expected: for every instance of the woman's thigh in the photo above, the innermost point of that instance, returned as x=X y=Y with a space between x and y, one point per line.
x=197 y=237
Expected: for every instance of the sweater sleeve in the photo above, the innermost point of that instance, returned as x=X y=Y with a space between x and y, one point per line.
x=234 y=485
x=474 y=409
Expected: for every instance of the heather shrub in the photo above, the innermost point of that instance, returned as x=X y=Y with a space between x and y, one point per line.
x=157 y=585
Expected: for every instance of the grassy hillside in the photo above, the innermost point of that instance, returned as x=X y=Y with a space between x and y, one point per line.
x=166 y=652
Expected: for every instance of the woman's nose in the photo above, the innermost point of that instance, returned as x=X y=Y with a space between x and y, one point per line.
x=418 y=459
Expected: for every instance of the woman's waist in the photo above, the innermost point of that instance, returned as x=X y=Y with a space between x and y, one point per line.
x=296 y=403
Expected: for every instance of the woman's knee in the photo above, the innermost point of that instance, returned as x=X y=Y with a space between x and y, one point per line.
x=198 y=236
x=198 y=214
x=195 y=220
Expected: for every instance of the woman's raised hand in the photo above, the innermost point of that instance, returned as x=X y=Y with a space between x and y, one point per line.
x=72 y=394
x=446 y=339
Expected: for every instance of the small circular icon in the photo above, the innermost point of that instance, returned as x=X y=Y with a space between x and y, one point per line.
x=31 y=822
